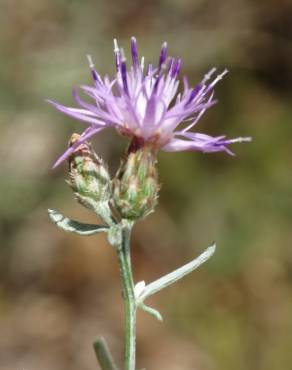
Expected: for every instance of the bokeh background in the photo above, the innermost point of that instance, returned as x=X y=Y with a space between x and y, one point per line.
x=59 y=291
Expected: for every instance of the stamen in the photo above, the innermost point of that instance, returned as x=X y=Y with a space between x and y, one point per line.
x=134 y=51
x=171 y=63
x=116 y=47
x=208 y=75
x=142 y=63
x=124 y=72
x=123 y=56
x=162 y=57
x=117 y=54
x=90 y=61
x=239 y=140
x=176 y=68
x=198 y=116
x=155 y=88
x=218 y=78
x=95 y=75
x=178 y=98
x=186 y=83
x=150 y=69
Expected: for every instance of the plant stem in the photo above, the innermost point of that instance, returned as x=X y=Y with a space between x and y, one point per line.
x=128 y=297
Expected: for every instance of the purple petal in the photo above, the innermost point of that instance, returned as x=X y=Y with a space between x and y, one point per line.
x=170 y=65
x=194 y=93
x=176 y=68
x=104 y=116
x=198 y=116
x=186 y=84
x=179 y=110
x=150 y=112
x=202 y=142
x=149 y=69
x=85 y=136
x=179 y=145
x=75 y=113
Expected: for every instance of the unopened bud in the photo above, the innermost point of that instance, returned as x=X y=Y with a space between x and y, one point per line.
x=135 y=188
x=88 y=176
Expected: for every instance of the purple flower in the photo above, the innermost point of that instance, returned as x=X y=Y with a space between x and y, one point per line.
x=145 y=105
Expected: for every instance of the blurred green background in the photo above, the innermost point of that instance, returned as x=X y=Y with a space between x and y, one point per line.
x=59 y=291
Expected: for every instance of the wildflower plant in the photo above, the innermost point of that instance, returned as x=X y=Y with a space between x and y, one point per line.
x=145 y=105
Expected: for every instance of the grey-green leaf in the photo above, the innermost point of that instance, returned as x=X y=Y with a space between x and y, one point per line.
x=151 y=311
x=103 y=355
x=73 y=226
x=176 y=275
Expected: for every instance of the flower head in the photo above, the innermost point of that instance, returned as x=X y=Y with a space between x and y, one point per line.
x=136 y=185
x=88 y=175
x=145 y=105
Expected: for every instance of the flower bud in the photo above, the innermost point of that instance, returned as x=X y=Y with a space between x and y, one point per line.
x=135 y=188
x=88 y=176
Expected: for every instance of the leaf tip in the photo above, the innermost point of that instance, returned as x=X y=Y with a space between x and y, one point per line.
x=54 y=216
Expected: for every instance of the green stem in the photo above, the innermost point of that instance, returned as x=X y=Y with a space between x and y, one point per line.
x=129 y=298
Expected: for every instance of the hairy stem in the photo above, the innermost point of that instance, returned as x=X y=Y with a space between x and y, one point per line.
x=129 y=298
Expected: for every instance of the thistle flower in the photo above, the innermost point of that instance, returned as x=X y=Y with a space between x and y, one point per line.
x=145 y=105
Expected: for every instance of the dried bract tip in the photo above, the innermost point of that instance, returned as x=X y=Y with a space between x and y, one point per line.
x=88 y=176
x=135 y=188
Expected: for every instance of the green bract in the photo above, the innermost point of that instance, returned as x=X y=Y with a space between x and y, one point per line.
x=88 y=176
x=135 y=188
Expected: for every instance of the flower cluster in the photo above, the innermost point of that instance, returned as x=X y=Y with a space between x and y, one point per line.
x=145 y=105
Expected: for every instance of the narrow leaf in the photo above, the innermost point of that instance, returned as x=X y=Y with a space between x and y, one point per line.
x=73 y=226
x=176 y=275
x=151 y=311
x=103 y=355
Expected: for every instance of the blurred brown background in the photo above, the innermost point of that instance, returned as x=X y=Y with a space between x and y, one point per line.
x=59 y=291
